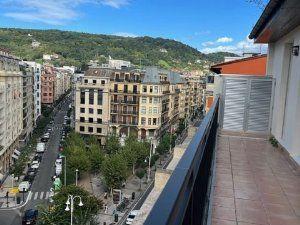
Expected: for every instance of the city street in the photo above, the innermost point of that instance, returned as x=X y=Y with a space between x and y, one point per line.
x=40 y=189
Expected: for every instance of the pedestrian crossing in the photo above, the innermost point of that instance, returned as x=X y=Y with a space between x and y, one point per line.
x=42 y=195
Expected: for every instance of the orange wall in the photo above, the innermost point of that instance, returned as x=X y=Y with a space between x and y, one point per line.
x=255 y=66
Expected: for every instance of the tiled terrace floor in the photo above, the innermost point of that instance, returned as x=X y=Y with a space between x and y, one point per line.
x=255 y=184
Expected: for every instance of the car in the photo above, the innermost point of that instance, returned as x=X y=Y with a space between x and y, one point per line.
x=37 y=157
x=24 y=186
x=49 y=129
x=29 y=178
x=40 y=147
x=58 y=170
x=30 y=217
x=131 y=216
x=35 y=162
x=58 y=161
x=31 y=171
x=66 y=117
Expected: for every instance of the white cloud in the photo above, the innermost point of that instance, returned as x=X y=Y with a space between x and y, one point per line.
x=224 y=40
x=115 y=3
x=208 y=43
x=125 y=34
x=53 y=12
x=240 y=47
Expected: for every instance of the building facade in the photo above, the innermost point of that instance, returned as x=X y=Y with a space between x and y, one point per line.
x=11 y=109
x=28 y=102
x=143 y=103
x=279 y=27
x=47 y=83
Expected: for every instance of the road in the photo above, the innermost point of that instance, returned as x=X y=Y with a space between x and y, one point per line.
x=42 y=182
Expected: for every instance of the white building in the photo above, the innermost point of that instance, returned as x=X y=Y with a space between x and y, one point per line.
x=279 y=26
x=118 y=64
x=36 y=67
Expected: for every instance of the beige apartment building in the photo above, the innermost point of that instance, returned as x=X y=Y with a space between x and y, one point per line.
x=28 y=102
x=92 y=103
x=11 y=109
x=144 y=103
x=47 y=83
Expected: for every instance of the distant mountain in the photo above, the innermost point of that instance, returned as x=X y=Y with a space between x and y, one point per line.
x=74 y=48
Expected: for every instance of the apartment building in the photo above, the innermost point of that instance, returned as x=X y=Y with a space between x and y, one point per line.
x=36 y=67
x=92 y=103
x=11 y=108
x=143 y=103
x=48 y=78
x=28 y=102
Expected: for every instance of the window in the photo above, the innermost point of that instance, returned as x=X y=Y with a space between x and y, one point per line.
x=149 y=121
x=82 y=97
x=81 y=119
x=151 y=89
x=144 y=99
x=99 y=130
x=100 y=97
x=155 y=100
x=91 y=96
x=94 y=82
x=99 y=111
x=91 y=130
x=99 y=120
x=102 y=81
x=125 y=88
x=155 y=89
x=154 y=121
x=134 y=89
x=150 y=100
x=116 y=88
x=143 y=120
x=81 y=128
x=155 y=110
x=82 y=110
x=143 y=110
x=91 y=120
x=86 y=81
x=144 y=88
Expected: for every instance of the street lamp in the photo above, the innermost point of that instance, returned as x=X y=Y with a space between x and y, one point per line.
x=76 y=181
x=70 y=205
x=65 y=172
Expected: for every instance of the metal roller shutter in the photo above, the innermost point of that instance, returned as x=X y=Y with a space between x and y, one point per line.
x=259 y=105
x=235 y=99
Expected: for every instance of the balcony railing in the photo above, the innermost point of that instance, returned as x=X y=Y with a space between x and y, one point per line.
x=185 y=198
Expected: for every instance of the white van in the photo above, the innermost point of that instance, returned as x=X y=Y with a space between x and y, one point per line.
x=40 y=147
x=24 y=186
x=58 y=169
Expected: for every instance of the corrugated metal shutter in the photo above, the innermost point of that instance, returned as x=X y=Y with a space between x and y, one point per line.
x=235 y=99
x=259 y=105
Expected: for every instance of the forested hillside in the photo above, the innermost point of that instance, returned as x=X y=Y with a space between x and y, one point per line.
x=76 y=48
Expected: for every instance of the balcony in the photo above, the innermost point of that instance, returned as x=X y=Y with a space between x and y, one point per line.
x=232 y=178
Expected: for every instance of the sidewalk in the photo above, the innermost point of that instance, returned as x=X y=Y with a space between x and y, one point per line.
x=12 y=200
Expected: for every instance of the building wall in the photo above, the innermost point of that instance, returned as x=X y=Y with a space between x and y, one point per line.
x=11 y=113
x=92 y=118
x=47 y=82
x=255 y=66
x=286 y=108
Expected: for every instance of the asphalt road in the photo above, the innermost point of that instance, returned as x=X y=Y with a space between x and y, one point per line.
x=42 y=183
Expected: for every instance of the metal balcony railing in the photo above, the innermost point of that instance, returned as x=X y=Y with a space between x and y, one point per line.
x=185 y=198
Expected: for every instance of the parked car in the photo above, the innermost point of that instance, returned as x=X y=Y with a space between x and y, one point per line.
x=35 y=165
x=45 y=137
x=30 y=216
x=131 y=217
x=40 y=147
x=37 y=157
x=31 y=172
x=58 y=162
x=58 y=170
x=29 y=178
x=24 y=186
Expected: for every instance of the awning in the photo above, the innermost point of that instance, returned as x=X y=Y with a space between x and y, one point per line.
x=16 y=152
x=15 y=156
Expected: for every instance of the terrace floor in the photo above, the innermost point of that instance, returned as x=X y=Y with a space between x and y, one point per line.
x=254 y=184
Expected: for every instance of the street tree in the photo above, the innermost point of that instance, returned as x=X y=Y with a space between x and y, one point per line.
x=114 y=170
x=56 y=214
x=96 y=158
x=112 y=145
x=140 y=173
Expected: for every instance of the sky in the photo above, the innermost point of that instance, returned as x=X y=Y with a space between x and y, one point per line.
x=208 y=25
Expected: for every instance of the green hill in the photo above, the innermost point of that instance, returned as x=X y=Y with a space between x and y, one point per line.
x=76 y=48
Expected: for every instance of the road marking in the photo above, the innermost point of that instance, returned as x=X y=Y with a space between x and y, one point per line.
x=29 y=196
x=42 y=195
x=35 y=195
x=47 y=195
